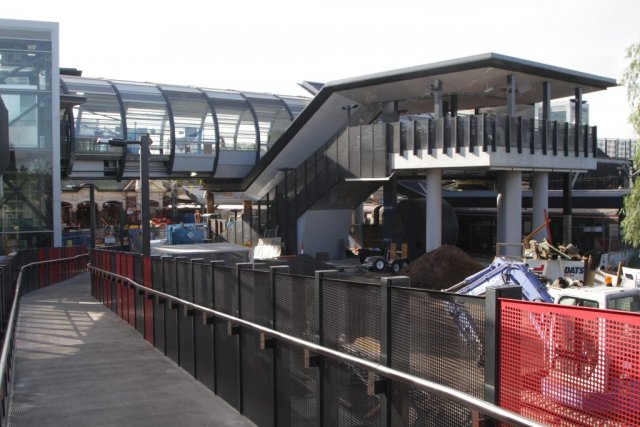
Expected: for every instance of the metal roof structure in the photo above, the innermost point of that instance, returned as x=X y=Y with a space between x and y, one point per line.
x=477 y=82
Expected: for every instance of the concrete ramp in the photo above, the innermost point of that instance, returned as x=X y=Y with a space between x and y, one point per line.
x=77 y=364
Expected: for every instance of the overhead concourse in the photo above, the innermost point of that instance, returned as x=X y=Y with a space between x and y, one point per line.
x=473 y=115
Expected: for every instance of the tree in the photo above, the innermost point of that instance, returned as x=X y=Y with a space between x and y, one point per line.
x=631 y=80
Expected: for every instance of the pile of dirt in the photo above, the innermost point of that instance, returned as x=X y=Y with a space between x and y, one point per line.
x=306 y=265
x=441 y=268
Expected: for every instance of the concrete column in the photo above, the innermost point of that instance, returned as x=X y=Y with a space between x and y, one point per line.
x=567 y=208
x=390 y=113
x=433 y=209
x=577 y=137
x=357 y=217
x=390 y=196
x=513 y=211
x=540 y=202
x=511 y=219
x=546 y=101
x=500 y=208
x=436 y=90
x=511 y=95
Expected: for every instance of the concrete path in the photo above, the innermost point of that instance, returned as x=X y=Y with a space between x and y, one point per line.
x=77 y=364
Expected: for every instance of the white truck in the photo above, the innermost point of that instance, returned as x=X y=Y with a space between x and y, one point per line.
x=609 y=297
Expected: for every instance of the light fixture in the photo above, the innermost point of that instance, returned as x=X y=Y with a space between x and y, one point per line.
x=488 y=89
x=194 y=174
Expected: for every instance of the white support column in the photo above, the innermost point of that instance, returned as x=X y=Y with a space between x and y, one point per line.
x=540 y=202
x=434 y=210
x=500 y=238
x=512 y=218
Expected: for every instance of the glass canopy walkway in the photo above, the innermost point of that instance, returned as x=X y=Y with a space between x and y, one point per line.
x=194 y=131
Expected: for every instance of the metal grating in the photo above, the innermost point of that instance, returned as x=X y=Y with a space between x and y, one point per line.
x=569 y=366
x=295 y=302
x=351 y=323
x=257 y=365
x=225 y=290
x=297 y=386
x=427 y=342
x=227 y=350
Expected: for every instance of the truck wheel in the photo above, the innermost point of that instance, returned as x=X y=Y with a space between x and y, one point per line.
x=395 y=267
x=379 y=264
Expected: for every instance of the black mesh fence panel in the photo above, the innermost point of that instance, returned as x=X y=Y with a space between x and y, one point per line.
x=257 y=365
x=227 y=350
x=158 y=310
x=203 y=295
x=185 y=322
x=170 y=314
x=297 y=386
x=438 y=337
x=351 y=323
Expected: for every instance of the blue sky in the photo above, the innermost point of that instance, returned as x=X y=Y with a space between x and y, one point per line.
x=270 y=46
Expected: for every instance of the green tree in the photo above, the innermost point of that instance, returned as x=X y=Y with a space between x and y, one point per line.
x=631 y=80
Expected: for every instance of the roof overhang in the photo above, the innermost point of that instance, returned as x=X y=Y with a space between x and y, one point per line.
x=468 y=78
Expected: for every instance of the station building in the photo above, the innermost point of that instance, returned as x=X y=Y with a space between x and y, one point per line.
x=302 y=165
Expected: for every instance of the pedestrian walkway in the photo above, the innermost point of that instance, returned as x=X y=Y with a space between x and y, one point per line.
x=77 y=364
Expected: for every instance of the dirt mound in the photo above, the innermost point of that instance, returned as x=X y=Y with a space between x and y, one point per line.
x=442 y=268
x=306 y=265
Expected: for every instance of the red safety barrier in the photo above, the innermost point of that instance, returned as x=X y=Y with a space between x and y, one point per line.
x=148 y=303
x=569 y=366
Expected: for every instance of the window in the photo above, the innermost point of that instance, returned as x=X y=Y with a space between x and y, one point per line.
x=578 y=302
x=626 y=303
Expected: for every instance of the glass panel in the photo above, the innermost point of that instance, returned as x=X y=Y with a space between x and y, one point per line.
x=235 y=121
x=26 y=218
x=146 y=112
x=273 y=119
x=98 y=117
x=296 y=105
x=194 y=126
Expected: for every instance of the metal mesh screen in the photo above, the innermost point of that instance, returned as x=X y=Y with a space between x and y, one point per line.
x=170 y=315
x=257 y=365
x=227 y=350
x=351 y=323
x=158 y=310
x=203 y=295
x=569 y=366
x=297 y=386
x=438 y=337
x=185 y=323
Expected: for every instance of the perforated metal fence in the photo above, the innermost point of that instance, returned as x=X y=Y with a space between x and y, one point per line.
x=431 y=335
x=438 y=337
x=570 y=366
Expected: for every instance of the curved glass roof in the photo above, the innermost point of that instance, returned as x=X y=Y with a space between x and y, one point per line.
x=183 y=121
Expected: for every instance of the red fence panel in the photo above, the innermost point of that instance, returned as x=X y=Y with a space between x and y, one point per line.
x=569 y=366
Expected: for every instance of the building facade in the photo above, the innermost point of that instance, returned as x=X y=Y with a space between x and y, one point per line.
x=29 y=88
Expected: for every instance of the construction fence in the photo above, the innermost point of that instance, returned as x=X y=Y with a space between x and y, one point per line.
x=499 y=350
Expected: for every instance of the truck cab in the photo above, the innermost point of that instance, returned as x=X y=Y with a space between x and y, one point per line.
x=608 y=297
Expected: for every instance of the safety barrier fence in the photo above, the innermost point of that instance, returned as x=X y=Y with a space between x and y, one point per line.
x=286 y=349
x=569 y=366
x=23 y=272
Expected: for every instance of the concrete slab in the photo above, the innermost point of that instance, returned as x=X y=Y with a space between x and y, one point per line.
x=77 y=364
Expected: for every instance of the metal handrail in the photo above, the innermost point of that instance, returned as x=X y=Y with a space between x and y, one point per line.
x=8 y=337
x=462 y=398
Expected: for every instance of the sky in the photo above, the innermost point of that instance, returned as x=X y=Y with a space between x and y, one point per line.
x=271 y=46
